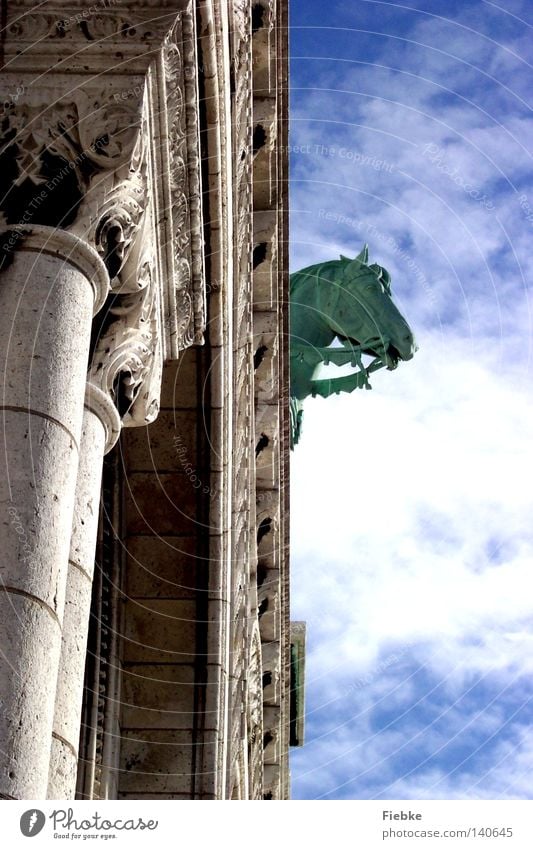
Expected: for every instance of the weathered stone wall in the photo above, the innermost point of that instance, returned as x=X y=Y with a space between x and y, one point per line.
x=166 y=510
x=235 y=612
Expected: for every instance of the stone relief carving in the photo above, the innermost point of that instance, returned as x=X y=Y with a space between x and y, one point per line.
x=127 y=362
x=241 y=20
x=182 y=135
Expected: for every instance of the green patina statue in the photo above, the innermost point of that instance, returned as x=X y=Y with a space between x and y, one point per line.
x=346 y=302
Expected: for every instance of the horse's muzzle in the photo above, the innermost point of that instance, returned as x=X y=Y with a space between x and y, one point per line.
x=406 y=352
x=393 y=355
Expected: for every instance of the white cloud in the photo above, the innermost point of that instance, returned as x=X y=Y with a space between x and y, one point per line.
x=409 y=484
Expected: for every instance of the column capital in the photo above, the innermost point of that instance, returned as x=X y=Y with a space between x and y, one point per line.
x=100 y=141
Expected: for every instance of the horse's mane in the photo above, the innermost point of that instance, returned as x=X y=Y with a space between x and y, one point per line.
x=298 y=277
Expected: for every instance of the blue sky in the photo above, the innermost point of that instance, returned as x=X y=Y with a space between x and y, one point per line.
x=411 y=505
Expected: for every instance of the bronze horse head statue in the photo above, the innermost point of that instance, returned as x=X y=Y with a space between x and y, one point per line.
x=349 y=302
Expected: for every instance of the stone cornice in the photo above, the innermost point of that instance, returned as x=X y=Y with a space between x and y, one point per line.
x=84 y=36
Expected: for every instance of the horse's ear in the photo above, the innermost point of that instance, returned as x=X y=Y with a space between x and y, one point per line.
x=363 y=256
x=345 y=258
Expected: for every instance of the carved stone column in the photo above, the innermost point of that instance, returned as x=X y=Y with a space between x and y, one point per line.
x=98 y=143
x=101 y=428
x=48 y=295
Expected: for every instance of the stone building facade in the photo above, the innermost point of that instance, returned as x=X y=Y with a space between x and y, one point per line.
x=145 y=635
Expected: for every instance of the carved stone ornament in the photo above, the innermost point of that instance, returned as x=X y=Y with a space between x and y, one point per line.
x=51 y=156
x=241 y=17
x=255 y=715
x=127 y=361
x=180 y=194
